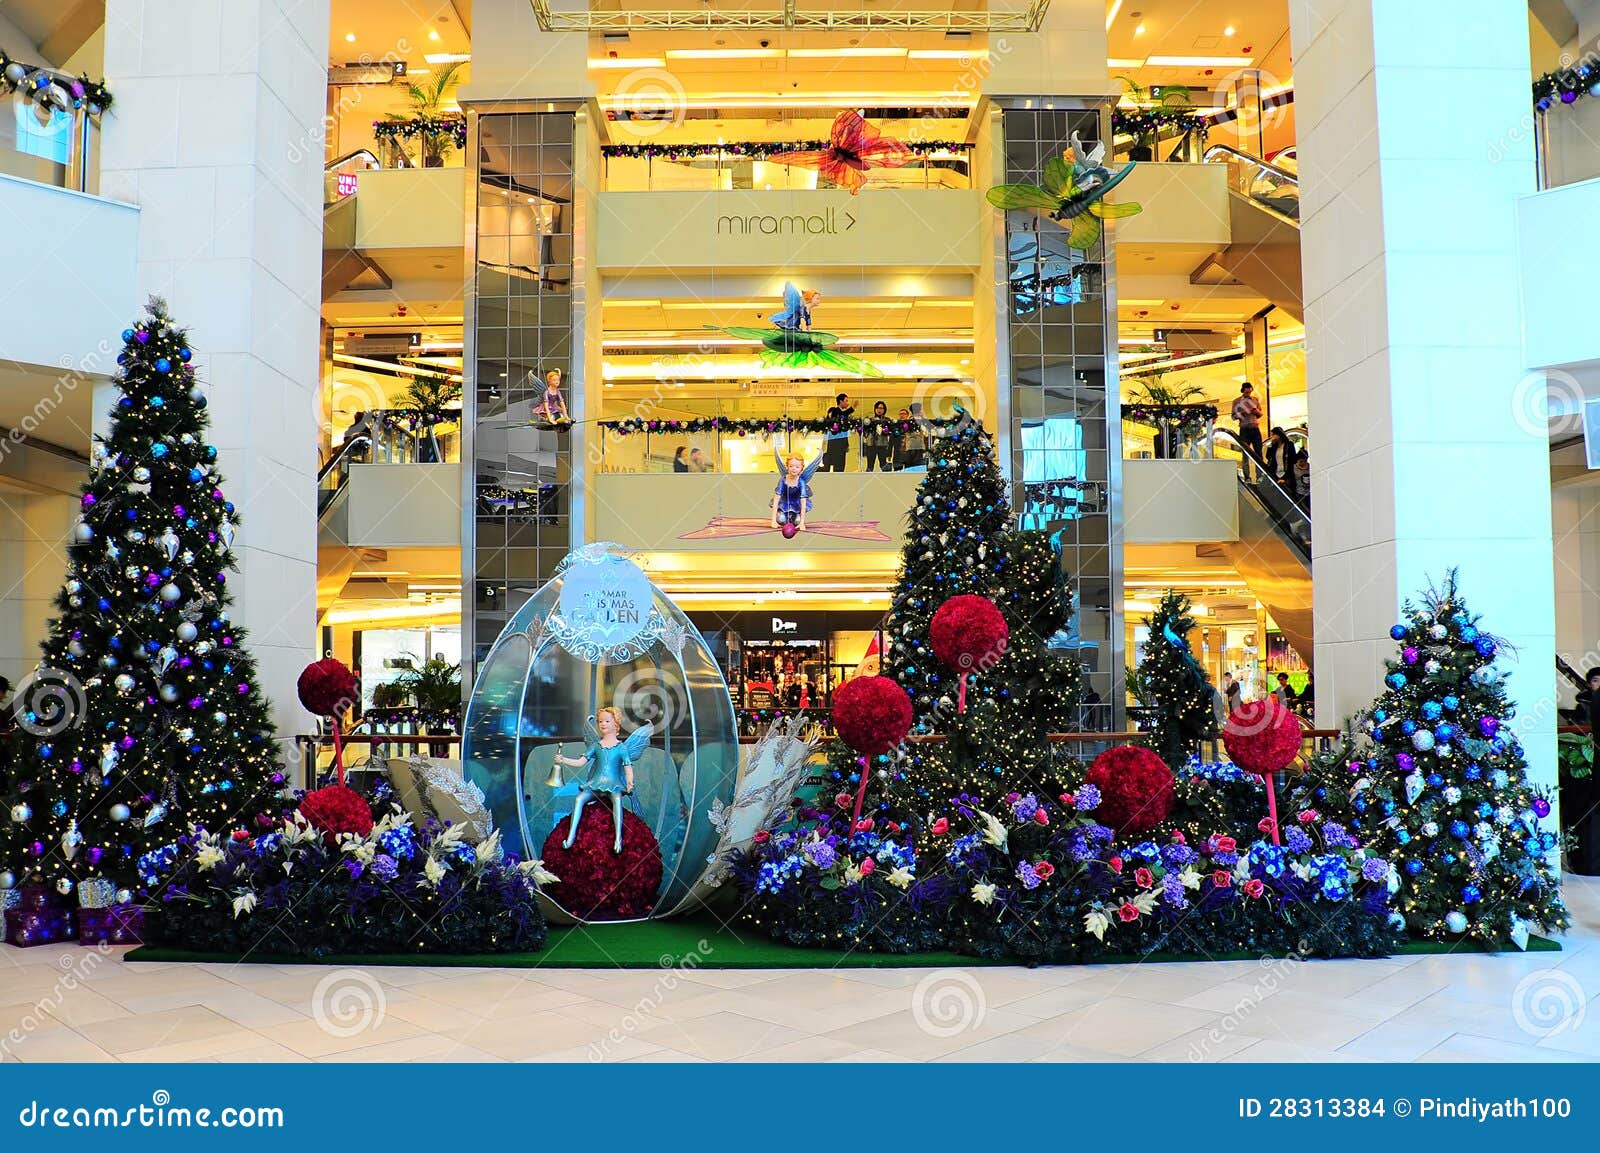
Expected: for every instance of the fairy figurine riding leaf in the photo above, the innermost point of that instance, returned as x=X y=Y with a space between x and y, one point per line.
x=1072 y=194
x=853 y=147
x=794 y=344
x=609 y=759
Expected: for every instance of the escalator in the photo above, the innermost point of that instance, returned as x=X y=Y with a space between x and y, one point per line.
x=1264 y=226
x=1273 y=552
x=343 y=266
x=336 y=560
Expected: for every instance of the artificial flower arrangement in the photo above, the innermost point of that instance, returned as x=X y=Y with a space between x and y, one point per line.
x=1041 y=880
x=305 y=889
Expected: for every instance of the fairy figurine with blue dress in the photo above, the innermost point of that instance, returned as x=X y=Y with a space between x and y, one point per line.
x=610 y=760
x=791 y=500
x=797 y=306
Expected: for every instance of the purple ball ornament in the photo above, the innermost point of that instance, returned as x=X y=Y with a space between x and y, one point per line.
x=1405 y=761
x=1568 y=97
x=1488 y=726
x=89 y=500
x=95 y=854
x=142 y=336
x=126 y=743
x=789 y=529
x=1409 y=654
x=1541 y=808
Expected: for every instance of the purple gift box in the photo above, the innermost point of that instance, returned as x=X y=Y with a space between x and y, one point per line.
x=118 y=925
x=26 y=928
x=39 y=899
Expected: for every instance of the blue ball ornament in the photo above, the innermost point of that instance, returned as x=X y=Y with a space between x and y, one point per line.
x=127 y=335
x=1398 y=632
x=1435 y=780
x=1484 y=647
x=163 y=365
x=1413 y=867
x=184 y=354
x=1452 y=703
x=1431 y=710
x=1469 y=634
x=195 y=474
x=1402 y=837
x=1395 y=681
x=1459 y=830
x=1408 y=727
x=1445 y=732
x=1380 y=715
x=104 y=605
x=157 y=402
x=158 y=450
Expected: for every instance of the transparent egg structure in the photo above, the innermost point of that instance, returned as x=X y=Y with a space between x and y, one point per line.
x=601 y=634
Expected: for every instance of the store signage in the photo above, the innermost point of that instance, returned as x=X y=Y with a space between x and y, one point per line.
x=781 y=627
x=607 y=602
x=828 y=222
x=347 y=184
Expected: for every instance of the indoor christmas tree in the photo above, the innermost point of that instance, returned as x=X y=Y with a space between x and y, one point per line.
x=960 y=542
x=1436 y=779
x=1173 y=685
x=167 y=727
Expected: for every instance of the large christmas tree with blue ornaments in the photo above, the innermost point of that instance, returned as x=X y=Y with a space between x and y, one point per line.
x=1436 y=779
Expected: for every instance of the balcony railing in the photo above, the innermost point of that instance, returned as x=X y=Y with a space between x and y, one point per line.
x=728 y=172
x=687 y=444
x=43 y=141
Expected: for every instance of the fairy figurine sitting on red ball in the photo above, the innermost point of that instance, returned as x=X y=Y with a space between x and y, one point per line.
x=610 y=760
x=791 y=500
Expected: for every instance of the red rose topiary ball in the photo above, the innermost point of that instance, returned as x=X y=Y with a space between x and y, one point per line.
x=327 y=688
x=1135 y=789
x=337 y=809
x=871 y=714
x=1262 y=736
x=969 y=633
x=597 y=884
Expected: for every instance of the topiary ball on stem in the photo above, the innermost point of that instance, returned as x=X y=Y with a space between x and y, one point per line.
x=872 y=715
x=1136 y=789
x=337 y=809
x=327 y=688
x=596 y=883
x=969 y=634
x=1263 y=737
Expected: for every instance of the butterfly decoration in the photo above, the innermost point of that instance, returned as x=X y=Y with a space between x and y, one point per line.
x=1073 y=193
x=853 y=147
x=796 y=347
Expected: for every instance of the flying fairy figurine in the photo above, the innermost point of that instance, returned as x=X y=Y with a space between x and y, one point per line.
x=797 y=307
x=610 y=761
x=853 y=147
x=791 y=500
x=794 y=344
x=1073 y=193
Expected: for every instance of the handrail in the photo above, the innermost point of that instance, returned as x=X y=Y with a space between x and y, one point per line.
x=1261 y=470
x=344 y=448
x=349 y=156
x=1248 y=158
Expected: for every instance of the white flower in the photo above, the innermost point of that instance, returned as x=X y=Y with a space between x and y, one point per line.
x=994 y=832
x=488 y=849
x=244 y=903
x=361 y=850
x=852 y=874
x=1190 y=877
x=535 y=868
x=983 y=893
x=1097 y=923
x=901 y=878
x=1145 y=902
x=451 y=836
x=433 y=871
x=209 y=857
x=1300 y=869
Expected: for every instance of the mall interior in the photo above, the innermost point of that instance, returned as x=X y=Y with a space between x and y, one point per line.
x=472 y=283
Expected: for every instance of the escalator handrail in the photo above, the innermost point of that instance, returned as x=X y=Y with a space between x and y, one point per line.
x=1246 y=158
x=344 y=450
x=349 y=156
x=1290 y=506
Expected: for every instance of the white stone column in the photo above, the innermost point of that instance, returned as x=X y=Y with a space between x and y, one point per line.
x=1413 y=337
x=218 y=137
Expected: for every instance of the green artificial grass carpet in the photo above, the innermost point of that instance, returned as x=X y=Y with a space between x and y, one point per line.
x=667 y=943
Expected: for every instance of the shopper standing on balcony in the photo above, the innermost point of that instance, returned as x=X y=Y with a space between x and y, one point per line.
x=838 y=443
x=680 y=461
x=1247 y=413
x=877 y=442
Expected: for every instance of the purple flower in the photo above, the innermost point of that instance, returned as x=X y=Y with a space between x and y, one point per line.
x=1336 y=836
x=1028 y=875
x=1086 y=799
x=1172 y=891
x=385 y=867
x=822 y=854
x=1024 y=807
x=354 y=866
x=1375 y=869
x=1296 y=840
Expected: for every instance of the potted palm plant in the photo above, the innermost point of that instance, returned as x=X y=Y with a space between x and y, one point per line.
x=435 y=689
x=430 y=401
x=1165 y=402
x=436 y=131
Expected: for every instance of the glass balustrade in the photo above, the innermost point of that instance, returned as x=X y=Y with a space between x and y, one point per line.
x=1274 y=187
x=49 y=144
x=386 y=437
x=726 y=172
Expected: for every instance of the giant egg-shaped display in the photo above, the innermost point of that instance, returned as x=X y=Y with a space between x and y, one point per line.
x=597 y=675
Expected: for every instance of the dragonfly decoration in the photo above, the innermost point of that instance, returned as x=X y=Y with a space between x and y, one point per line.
x=796 y=347
x=853 y=147
x=1072 y=194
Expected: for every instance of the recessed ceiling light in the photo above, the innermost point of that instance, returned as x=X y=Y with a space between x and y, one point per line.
x=723 y=53
x=448 y=57
x=349 y=37
x=433 y=34
x=1228 y=31
x=1138 y=30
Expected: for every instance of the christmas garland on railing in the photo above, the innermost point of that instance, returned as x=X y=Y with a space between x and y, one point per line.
x=425 y=719
x=781 y=424
x=759 y=149
x=391 y=131
x=1139 y=122
x=1182 y=417
x=50 y=89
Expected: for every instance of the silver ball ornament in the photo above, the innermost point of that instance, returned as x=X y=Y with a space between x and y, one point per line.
x=220 y=717
x=169 y=694
x=120 y=812
x=1422 y=740
x=1438 y=632
x=82 y=534
x=64 y=886
x=124 y=683
x=124 y=896
x=8 y=880
x=21 y=814
x=171 y=593
x=141 y=474
x=187 y=631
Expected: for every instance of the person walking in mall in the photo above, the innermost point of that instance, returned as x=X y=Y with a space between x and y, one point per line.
x=1234 y=693
x=877 y=442
x=838 y=442
x=1247 y=414
x=1281 y=458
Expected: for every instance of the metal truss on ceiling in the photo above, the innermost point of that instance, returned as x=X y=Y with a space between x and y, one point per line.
x=788 y=18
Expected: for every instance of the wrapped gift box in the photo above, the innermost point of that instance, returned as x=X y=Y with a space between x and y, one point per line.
x=10 y=899
x=97 y=893
x=26 y=928
x=39 y=899
x=118 y=925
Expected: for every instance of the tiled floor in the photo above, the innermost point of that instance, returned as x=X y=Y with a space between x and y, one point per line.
x=72 y=1004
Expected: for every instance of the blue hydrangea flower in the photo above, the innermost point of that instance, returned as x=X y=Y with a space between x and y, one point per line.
x=1086 y=799
x=1172 y=892
x=1024 y=807
x=1375 y=869
x=384 y=867
x=1028 y=876
x=1270 y=859
x=1336 y=836
x=1297 y=840
x=1176 y=856
x=399 y=843
x=822 y=854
